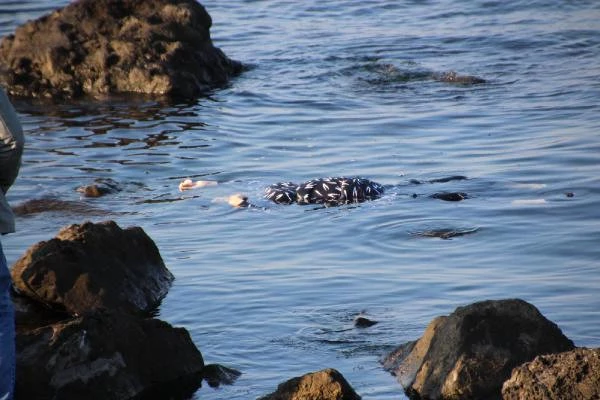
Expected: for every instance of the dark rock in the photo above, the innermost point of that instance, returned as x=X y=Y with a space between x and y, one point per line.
x=106 y=355
x=453 y=77
x=100 y=47
x=30 y=314
x=570 y=194
x=327 y=384
x=100 y=187
x=447 y=233
x=450 y=196
x=93 y=266
x=448 y=179
x=573 y=375
x=362 y=322
x=216 y=375
x=470 y=353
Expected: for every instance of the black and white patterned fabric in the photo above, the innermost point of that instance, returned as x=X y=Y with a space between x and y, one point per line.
x=329 y=191
x=282 y=193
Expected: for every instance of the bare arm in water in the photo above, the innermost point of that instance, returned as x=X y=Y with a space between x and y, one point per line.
x=235 y=200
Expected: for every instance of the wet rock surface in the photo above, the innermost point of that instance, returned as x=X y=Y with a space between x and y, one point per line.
x=453 y=77
x=573 y=375
x=327 y=384
x=106 y=355
x=92 y=266
x=101 y=47
x=216 y=375
x=100 y=187
x=470 y=353
x=364 y=322
x=450 y=196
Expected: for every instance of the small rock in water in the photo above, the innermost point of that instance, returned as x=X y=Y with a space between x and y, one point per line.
x=362 y=322
x=216 y=375
x=450 y=196
x=570 y=194
x=100 y=187
x=448 y=179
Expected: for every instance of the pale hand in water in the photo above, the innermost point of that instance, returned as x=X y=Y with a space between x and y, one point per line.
x=188 y=184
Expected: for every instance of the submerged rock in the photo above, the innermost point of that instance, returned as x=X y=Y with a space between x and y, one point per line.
x=363 y=322
x=327 y=384
x=573 y=375
x=107 y=356
x=470 y=353
x=100 y=47
x=49 y=204
x=450 y=196
x=453 y=77
x=100 y=187
x=94 y=265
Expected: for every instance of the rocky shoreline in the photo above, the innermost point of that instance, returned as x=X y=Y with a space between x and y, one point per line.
x=85 y=299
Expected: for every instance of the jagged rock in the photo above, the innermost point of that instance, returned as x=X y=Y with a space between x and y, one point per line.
x=470 y=353
x=94 y=265
x=573 y=375
x=107 y=356
x=99 y=47
x=327 y=384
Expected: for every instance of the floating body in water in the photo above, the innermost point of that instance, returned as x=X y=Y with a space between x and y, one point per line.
x=332 y=191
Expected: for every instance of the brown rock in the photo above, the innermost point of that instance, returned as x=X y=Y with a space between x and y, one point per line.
x=93 y=266
x=470 y=353
x=573 y=375
x=107 y=356
x=99 y=47
x=327 y=384
x=100 y=187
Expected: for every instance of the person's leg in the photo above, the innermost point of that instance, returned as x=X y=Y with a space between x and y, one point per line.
x=7 y=333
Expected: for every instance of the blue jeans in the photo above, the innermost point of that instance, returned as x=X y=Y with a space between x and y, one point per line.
x=7 y=333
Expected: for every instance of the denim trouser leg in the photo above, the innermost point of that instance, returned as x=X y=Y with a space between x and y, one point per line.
x=7 y=333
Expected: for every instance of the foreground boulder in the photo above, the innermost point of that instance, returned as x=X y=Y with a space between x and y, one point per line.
x=92 y=266
x=470 y=353
x=327 y=384
x=573 y=375
x=99 y=47
x=107 y=356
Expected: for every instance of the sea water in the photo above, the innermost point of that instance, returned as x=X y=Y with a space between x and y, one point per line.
x=346 y=88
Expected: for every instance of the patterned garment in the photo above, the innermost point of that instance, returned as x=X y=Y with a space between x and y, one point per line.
x=329 y=191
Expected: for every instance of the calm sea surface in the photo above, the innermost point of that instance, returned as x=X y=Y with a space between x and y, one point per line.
x=345 y=88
